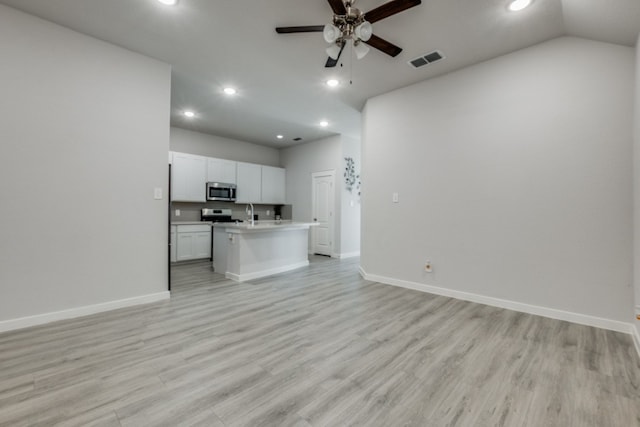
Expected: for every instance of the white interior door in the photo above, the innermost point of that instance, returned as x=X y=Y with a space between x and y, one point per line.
x=322 y=211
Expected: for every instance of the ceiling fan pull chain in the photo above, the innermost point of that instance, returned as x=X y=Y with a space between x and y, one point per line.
x=351 y=68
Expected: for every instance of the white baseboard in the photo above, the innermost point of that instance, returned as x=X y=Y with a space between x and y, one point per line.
x=349 y=255
x=265 y=273
x=636 y=335
x=41 y=319
x=582 y=319
x=362 y=272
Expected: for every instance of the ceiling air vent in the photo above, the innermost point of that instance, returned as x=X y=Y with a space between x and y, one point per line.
x=297 y=139
x=428 y=58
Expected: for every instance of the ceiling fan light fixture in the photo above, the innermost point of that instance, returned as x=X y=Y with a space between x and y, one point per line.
x=360 y=49
x=364 y=31
x=517 y=5
x=333 y=51
x=331 y=33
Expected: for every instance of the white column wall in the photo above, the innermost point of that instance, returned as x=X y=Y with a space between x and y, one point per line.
x=350 y=216
x=85 y=135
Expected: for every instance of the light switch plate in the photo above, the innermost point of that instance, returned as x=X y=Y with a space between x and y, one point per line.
x=157 y=193
x=394 y=198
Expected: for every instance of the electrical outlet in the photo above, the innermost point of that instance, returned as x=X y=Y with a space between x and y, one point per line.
x=177 y=212
x=428 y=267
x=268 y=212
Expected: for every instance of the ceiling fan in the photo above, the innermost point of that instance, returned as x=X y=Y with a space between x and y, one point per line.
x=349 y=23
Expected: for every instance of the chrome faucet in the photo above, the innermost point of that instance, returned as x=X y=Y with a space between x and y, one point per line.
x=247 y=210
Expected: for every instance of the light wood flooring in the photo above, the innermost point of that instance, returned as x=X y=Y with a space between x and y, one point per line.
x=316 y=347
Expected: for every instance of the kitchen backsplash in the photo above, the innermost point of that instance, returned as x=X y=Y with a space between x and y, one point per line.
x=191 y=211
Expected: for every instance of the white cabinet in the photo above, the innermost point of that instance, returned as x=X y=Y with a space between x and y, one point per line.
x=193 y=242
x=255 y=183
x=184 y=249
x=188 y=178
x=202 y=244
x=273 y=185
x=260 y=184
x=221 y=170
x=249 y=182
x=173 y=244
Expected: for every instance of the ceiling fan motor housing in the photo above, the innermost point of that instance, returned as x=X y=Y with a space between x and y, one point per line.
x=348 y=23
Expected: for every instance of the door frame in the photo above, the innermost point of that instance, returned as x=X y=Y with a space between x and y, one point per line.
x=332 y=209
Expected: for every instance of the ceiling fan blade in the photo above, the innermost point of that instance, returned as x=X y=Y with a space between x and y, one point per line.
x=390 y=8
x=333 y=62
x=384 y=46
x=303 y=29
x=338 y=7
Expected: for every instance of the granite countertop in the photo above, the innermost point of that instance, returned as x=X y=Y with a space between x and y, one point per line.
x=191 y=222
x=263 y=225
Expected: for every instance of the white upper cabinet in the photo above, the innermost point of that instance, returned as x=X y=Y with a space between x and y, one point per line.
x=188 y=178
x=220 y=170
x=273 y=185
x=255 y=183
x=249 y=183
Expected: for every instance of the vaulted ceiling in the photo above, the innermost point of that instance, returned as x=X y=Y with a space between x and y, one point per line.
x=281 y=78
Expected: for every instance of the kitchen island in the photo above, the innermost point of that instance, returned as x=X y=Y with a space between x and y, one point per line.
x=242 y=251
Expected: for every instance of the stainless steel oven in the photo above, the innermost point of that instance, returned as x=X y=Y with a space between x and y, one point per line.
x=221 y=191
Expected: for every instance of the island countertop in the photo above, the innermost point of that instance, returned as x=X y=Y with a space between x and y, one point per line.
x=246 y=227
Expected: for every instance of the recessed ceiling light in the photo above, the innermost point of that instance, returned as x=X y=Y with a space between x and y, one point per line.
x=169 y=2
x=332 y=82
x=229 y=91
x=517 y=5
x=324 y=123
x=279 y=136
x=189 y=114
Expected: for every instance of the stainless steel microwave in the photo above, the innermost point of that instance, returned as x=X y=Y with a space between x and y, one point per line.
x=221 y=191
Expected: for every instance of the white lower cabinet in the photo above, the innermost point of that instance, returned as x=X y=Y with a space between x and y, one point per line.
x=173 y=244
x=193 y=242
x=202 y=244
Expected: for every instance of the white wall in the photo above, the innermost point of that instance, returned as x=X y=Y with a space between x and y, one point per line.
x=301 y=161
x=186 y=141
x=636 y=188
x=514 y=178
x=350 y=203
x=85 y=135
x=319 y=156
